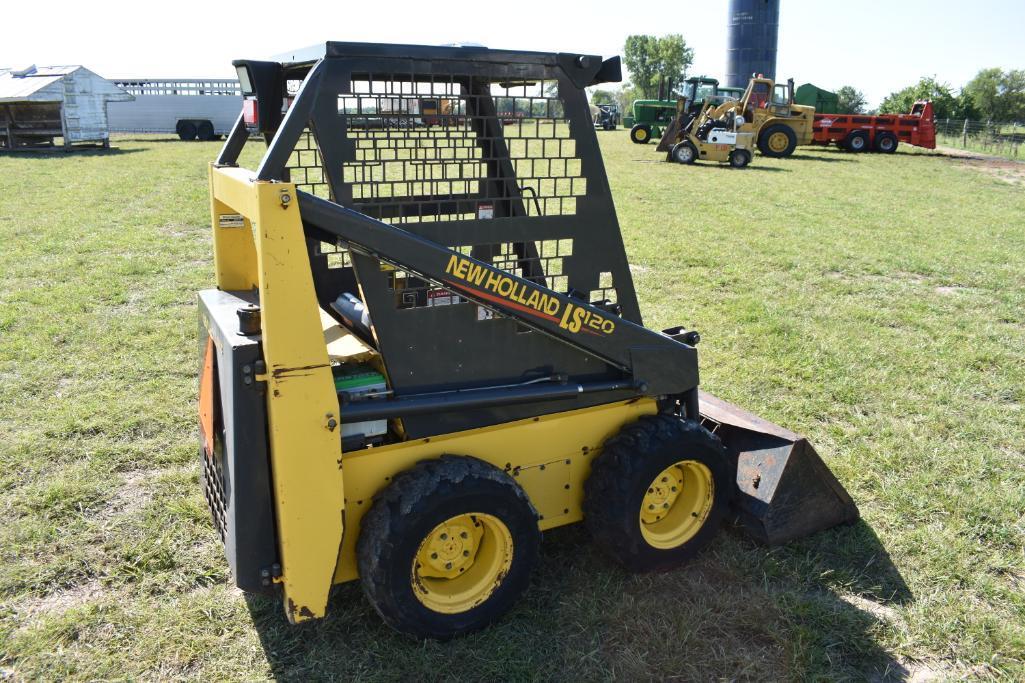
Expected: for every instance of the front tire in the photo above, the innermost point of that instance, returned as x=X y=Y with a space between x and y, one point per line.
x=640 y=134
x=777 y=141
x=447 y=548
x=658 y=493
x=684 y=153
x=857 y=142
x=187 y=131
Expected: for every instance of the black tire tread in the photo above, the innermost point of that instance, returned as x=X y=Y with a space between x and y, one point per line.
x=383 y=524
x=612 y=475
x=763 y=141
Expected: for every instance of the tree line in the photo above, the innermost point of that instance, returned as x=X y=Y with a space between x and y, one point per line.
x=992 y=95
x=657 y=65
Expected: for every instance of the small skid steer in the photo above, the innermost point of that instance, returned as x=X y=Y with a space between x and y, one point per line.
x=425 y=348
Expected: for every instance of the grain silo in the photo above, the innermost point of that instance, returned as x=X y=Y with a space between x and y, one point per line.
x=751 y=44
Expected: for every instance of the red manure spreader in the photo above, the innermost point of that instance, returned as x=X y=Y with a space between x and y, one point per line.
x=881 y=133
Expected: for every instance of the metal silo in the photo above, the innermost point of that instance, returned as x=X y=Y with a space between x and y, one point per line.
x=751 y=47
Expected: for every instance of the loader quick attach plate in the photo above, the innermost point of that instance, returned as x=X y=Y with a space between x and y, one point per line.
x=490 y=153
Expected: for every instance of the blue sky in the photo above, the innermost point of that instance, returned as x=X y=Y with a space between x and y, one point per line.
x=875 y=45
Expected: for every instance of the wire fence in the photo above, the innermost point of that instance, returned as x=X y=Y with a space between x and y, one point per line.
x=989 y=137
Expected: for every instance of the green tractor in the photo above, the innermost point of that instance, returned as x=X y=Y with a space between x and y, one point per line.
x=651 y=117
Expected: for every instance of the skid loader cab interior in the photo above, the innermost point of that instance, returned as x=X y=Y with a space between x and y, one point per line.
x=425 y=346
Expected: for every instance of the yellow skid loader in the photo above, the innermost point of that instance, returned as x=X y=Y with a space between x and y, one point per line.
x=425 y=348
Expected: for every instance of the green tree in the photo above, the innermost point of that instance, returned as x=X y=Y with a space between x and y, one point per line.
x=604 y=97
x=944 y=103
x=850 y=100
x=964 y=107
x=626 y=96
x=998 y=95
x=652 y=60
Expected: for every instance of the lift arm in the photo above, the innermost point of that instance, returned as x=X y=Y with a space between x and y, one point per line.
x=657 y=363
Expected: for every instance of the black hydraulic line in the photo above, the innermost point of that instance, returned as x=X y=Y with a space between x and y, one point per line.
x=381 y=409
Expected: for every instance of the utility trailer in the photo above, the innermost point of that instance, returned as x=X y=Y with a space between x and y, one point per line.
x=880 y=133
x=191 y=108
x=425 y=347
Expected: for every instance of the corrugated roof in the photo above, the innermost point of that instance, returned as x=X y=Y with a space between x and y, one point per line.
x=14 y=88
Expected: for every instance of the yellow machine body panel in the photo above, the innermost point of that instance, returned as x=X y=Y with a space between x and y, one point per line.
x=257 y=228
x=549 y=456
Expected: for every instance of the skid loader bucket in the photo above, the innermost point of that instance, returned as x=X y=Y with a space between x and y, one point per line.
x=669 y=137
x=784 y=490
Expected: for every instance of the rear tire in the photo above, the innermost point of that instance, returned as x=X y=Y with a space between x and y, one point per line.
x=447 y=547
x=205 y=131
x=186 y=130
x=739 y=158
x=777 y=141
x=640 y=134
x=658 y=492
x=857 y=142
x=886 y=143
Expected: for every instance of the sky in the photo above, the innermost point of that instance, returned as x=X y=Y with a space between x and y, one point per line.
x=878 y=46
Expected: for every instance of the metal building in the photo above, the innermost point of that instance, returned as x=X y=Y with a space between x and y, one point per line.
x=40 y=104
x=753 y=29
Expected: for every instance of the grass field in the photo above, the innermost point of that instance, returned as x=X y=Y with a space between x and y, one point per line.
x=875 y=303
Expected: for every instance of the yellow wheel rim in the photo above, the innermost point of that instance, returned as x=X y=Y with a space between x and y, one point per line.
x=642 y=134
x=461 y=562
x=778 y=142
x=676 y=504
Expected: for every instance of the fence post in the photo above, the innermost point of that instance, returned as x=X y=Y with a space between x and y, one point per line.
x=1014 y=137
x=964 y=135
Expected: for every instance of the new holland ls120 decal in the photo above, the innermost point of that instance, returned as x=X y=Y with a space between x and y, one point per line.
x=494 y=286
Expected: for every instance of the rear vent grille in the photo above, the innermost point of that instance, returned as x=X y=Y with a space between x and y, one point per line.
x=213 y=488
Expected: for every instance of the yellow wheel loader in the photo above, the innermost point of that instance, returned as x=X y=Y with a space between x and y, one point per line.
x=425 y=349
x=766 y=111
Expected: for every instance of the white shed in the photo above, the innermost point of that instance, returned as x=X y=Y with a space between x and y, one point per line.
x=39 y=104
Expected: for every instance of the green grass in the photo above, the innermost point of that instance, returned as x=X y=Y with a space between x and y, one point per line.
x=875 y=303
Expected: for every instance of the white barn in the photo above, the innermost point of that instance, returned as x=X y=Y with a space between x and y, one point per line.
x=39 y=104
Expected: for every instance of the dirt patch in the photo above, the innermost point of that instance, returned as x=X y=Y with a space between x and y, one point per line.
x=938 y=670
x=1012 y=172
x=60 y=601
x=877 y=610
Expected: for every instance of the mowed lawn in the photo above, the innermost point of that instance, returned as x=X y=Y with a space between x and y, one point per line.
x=874 y=303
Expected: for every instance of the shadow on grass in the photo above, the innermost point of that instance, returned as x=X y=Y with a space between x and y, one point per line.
x=59 y=153
x=738 y=611
x=755 y=167
x=161 y=141
x=831 y=157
